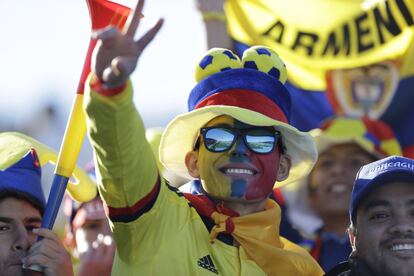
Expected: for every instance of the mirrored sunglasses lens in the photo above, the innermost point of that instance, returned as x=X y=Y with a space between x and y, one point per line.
x=260 y=140
x=218 y=139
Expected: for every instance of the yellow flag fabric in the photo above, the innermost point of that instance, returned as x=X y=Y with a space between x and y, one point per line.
x=258 y=234
x=315 y=36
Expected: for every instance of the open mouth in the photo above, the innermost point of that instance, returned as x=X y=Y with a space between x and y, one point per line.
x=238 y=171
x=403 y=247
x=339 y=188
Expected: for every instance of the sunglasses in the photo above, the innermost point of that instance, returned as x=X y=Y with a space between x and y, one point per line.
x=258 y=139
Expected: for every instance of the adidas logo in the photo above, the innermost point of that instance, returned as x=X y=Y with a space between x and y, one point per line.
x=207 y=263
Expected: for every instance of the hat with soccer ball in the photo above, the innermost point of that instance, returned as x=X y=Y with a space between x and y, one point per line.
x=250 y=90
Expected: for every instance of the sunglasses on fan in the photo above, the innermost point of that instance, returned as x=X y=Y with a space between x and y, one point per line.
x=258 y=139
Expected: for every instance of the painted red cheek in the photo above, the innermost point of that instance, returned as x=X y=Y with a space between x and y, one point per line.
x=262 y=186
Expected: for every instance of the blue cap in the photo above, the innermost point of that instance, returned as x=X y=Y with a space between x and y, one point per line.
x=24 y=177
x=372 y=175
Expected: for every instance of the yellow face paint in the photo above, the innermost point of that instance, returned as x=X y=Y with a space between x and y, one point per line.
x=214 y=182
x=237 y=174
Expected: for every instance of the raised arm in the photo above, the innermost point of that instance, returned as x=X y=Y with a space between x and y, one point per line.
x=126 y=168
x=214 y=19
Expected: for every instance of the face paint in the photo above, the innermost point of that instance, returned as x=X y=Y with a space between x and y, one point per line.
x=263 y=185
x=214 y=182
x=237 y=174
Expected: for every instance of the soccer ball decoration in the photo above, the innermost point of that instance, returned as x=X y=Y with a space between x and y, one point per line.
x=266 y=60
x=258 y=58
x=216 y=60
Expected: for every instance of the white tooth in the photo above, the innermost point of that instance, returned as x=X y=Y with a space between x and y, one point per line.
x=406 y=246
x=338 y=188
x=239 y=171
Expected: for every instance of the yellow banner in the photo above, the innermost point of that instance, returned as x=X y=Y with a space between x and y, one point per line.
x=315 y=36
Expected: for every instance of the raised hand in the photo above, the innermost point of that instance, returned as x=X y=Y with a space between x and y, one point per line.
x=116 y=53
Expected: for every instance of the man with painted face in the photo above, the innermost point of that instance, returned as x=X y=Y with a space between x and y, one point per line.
x=318 y=205
x=382 y=220
x=235 y=139
x=22 y=204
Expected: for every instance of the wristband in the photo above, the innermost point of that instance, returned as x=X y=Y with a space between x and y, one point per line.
x=100 y=88
x=214 y=15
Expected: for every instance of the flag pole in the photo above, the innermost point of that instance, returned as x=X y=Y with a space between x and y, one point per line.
x=102 y=13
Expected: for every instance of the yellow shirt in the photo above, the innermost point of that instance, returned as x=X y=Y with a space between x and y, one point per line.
x=156 y=230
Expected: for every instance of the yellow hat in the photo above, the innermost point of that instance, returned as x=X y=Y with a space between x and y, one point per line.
x=373 y=136
x=250 y=90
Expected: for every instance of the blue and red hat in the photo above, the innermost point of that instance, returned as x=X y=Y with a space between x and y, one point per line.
x=21 y=158
x=20 y=170
x=250 y=90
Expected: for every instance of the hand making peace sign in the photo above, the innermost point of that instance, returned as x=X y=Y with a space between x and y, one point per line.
x=116 y=53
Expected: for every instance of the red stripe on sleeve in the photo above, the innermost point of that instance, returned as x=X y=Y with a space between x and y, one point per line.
x=137 y=207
